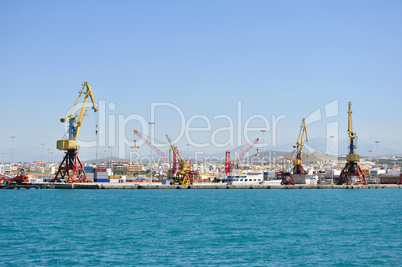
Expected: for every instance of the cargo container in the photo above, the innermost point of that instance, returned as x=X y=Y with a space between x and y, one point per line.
x=100 y=170
x=134 y=181
x=101 y=175
x=88 y=169
x=394 y=172
x=101 y=180
x=391 y=179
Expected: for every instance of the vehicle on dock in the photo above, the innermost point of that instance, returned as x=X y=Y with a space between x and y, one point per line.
x=21 y=178
x=5 y=182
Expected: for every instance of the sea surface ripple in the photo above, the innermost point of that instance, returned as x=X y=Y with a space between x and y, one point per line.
x=201 y=227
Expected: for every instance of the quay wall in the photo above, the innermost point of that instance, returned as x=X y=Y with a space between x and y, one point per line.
x=207 y=186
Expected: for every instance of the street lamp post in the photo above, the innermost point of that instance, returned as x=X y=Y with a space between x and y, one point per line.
x=96 y=147
x=150 y=148
x=262 y=152
x=12 y=155
x=43 y=165
x=51 y=163
x=378 y=168
x=110 y=158
x=48 y=160
x=3 y=163
x=332 y=162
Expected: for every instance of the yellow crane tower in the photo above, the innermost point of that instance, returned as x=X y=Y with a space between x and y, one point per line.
x=71 y=167
x=297 y=163
x=352 y=172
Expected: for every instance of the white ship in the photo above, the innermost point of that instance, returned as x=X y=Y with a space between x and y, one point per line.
x=249 y=178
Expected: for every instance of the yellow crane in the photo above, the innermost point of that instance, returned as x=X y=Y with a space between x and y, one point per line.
x=183 y=175
x=75 y=124
x=297 y=163
x=71 y=167
x=352 y=172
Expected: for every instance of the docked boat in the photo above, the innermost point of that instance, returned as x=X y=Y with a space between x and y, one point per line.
x=245 y=178
x=249 y=178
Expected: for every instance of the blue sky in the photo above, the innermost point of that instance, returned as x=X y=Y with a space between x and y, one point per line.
x=206 y=58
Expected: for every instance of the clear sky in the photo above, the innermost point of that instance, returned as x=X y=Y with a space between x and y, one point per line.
x=208 y=61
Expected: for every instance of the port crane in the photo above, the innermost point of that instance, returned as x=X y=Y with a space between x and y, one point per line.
x=160 y=153
x=285 y=175
x=71 y=167
x=184 y=174
x=229 y=164
x=352 y=168
x=297 y=162
x=175 y=167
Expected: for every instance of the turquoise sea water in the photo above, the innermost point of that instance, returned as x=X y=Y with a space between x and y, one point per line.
x=201 y=227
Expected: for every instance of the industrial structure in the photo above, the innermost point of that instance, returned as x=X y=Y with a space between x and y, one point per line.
x=175 y=167
x=180 y=171
x=184 y=175
x=299 y=173
x=71 y=167
x=285 y=175
x=297 y=162
x=160 y=153
x=352 y=172
x=229 y=164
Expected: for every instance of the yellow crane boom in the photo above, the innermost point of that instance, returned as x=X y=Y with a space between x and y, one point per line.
x=351 y=157
x=300 y=143
x=74 y=123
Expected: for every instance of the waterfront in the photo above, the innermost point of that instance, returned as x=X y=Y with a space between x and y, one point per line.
x=201 y=227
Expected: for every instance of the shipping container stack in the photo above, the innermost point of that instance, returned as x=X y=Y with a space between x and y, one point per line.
x=89 y=171
x=101 y=176
x=117 y=179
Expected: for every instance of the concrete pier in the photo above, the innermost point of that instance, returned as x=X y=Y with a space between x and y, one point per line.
x=206 y=186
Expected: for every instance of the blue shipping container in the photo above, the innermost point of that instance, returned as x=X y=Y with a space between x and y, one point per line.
x=101 y=180
x=88 y=169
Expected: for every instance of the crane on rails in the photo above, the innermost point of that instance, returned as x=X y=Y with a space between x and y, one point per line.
x=352 y=171
x=71 y=167
x=297 y=162
x=184 y=174
x=229 y=164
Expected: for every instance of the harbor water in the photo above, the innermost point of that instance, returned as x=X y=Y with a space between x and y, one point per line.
x=201 y=227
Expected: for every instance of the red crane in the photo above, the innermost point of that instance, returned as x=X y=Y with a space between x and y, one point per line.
x=175 y=167
x=152 y=146
x=229 y=163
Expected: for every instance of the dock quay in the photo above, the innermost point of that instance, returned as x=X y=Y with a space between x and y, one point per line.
x=194 y=186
